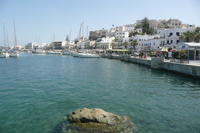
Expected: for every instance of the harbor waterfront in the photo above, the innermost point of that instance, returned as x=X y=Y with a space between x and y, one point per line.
x=37 y=91
x=188 y=67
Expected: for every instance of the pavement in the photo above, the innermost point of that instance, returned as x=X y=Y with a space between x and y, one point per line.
x=191 y=62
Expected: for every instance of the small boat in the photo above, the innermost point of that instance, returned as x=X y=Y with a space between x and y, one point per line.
x=4 y=54
x=87 y=55
x=76 y=54
x=53 y=52
x=66 y=53
x=14 y=54
x=39 y=52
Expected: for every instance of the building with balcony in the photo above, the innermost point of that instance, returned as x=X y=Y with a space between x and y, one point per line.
x=58 y=45
x=31 y=46
x=105 y=43
x=170 y=37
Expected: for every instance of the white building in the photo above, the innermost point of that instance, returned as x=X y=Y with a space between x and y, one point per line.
x=31 y=46
x=121 y=34
x=170 y=37
x=58 y=44
x=111 y=32
x=105 y=43
x=129 y=27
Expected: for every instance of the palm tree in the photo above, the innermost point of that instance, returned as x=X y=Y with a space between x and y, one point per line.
x=197 y=34
x=95 y=45
x=134 y=43
x=197 y=37
x=125 y=44
x=115 y=40
x=112 y=44
x=187 y=36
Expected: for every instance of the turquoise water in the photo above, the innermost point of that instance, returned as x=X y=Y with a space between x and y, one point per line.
x=37 y=91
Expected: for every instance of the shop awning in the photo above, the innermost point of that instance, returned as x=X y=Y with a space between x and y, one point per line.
x=118 y=50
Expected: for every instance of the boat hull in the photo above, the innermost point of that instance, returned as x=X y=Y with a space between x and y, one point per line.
x=14 y=55
x=4 y=55
x=88 y=56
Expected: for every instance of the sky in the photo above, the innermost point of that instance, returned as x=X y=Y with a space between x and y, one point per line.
x=44 y=21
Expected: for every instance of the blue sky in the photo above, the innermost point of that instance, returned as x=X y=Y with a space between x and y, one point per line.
x=38 y=20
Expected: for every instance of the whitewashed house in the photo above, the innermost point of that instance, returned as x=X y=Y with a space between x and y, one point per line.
x=170 y=37
x=105 y=43
x=31 y=46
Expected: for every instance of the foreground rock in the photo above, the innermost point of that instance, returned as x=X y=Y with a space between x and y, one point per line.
x=95 y=121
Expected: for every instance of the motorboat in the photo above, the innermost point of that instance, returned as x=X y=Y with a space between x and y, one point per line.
x=39 y=52
x=14 y=54
x=53 y=52
x=66 y=53
x=87 y=55
x=4 y=54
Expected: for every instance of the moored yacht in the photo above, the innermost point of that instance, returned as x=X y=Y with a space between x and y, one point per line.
x=53 y=52
x=87 y=55
x=14 y=54
x=4 y=54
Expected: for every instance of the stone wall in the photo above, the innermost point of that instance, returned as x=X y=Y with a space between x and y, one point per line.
x=182 y=68
x=141 y=61
x=158 y=63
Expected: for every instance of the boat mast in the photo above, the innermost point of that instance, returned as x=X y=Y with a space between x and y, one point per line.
x=7 y=38
x=4 y=36
x=87 y=33
x=70 y=35
x=15 y=44
x=83 y=29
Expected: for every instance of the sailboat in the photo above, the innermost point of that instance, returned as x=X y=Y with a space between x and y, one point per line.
x=4 y=53
x=67 y=51
x=14 y=53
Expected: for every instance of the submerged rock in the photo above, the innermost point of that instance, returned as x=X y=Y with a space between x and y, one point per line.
x=95 y=121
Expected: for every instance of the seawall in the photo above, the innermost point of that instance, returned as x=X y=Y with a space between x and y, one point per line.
x=159 y=63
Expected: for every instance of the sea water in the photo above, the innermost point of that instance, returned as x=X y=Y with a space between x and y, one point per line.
x=37 y=91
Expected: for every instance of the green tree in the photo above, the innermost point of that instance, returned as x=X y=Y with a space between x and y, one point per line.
x=67 y=38
x=95 y=45
x=87 y=46
x=135 y=33
x=145 y=27
x=115 y=40
x=112 y=44
x=179 y=54
x=197 y=34
x=125 y=44
x=134 y=43
x=187 y=36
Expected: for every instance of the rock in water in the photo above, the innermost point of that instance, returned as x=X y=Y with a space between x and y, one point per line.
x=95 y=121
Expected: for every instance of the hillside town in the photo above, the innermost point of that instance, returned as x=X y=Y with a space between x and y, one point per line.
x=146 y=35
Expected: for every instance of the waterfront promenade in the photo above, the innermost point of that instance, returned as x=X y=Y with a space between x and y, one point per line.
x=192 y=68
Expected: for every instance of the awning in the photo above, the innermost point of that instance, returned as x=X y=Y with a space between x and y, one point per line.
x=183 y=48
x=118 y=50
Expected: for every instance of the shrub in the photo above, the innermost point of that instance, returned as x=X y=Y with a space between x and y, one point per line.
x=180 y=54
